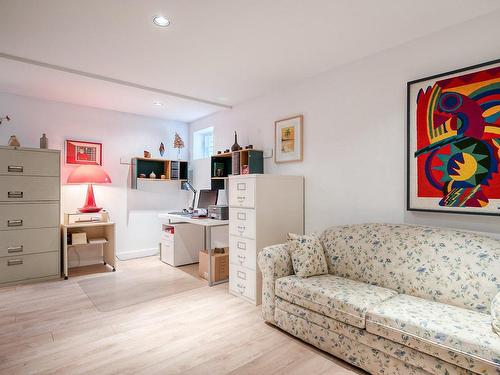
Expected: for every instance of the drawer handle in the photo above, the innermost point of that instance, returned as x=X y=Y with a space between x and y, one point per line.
x=15 y=168
x=242 y=258
x=14 y=223
x=240 y=198
x=14 y=262
x=15 y=194
x=241 y=245
x=241 y=186
x=241 y=275
x=241 y=216
x=241 y=228
x=15 y=249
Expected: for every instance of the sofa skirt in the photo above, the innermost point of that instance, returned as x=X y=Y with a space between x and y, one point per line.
x=373 y=353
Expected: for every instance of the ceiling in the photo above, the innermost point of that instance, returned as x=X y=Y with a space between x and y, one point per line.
x=215 y=54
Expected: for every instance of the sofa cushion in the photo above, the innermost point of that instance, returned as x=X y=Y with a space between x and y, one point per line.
x=341 y=299
x=308 y=256
x=495 y=313
x=451 y=333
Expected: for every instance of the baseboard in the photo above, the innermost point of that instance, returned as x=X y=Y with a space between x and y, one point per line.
x=141 y=253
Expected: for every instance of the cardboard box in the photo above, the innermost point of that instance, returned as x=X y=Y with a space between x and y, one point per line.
x=220 y=265
x=78 y=238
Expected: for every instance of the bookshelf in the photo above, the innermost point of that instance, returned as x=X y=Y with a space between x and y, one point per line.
x=174 y=170
x=231 y=163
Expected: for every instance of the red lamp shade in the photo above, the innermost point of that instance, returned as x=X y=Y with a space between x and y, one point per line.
x=89 y=174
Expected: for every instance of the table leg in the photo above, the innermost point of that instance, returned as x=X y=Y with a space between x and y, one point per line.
x=208 y=246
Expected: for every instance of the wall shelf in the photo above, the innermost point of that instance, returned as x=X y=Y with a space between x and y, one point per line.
x=231 y=163
x=174 y=170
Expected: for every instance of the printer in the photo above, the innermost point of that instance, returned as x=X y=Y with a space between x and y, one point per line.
x=218 y=212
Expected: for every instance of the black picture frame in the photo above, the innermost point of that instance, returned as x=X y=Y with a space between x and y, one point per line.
x=408 y=140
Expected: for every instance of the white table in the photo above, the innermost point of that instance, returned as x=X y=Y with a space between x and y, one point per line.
x=208 y=224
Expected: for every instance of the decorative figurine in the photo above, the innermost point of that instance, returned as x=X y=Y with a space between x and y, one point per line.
x=152 y=175
x=13 y=142
x=163 y=177
x=44 y=141
x=4 y=118
x=245 y=169
x=235 y=146
x=142 y=175
x=178 y=144
x=147 y=154
x=162 y=149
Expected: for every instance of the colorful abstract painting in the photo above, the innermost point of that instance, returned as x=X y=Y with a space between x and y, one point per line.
x=454 y=141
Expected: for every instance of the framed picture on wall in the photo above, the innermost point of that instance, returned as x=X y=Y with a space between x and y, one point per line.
x=83 y=153
x=453 y=141
x=288 y=139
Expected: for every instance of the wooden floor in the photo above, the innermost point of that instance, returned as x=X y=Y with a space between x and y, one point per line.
x=53 y=328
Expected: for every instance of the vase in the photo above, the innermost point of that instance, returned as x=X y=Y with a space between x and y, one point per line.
x=44 y=141
x=13 y=142
x=236 y=146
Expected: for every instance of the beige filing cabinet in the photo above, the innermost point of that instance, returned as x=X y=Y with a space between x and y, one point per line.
x=263 y=208
x=29 y=214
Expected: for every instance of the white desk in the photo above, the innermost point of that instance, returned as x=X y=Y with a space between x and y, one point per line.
x=208 y=224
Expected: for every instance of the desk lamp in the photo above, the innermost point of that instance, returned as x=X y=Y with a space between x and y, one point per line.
x=89 y=174
x=187 y=186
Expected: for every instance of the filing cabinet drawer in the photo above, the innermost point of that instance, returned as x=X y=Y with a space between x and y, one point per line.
x=29 y=163
x=29 y=215
x=242 y=192
x=242 y=252
x=21 y=242
x=22 y=188
x=23 y=267
x=242 y=222
x=242 y=282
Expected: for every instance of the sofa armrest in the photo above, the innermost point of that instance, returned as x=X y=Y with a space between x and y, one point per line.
x=274 y=262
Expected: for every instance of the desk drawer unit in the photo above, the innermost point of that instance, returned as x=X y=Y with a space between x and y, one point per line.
x=29 y=214
x=243 y=252
x=19 y=162
x=242 y=222
x=23 y=267
x=242 y=282
x=242 y=192
x=29 y=241
x=28 y=189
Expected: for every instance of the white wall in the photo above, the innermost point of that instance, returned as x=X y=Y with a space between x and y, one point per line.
x=123 y=136
x=354 y=130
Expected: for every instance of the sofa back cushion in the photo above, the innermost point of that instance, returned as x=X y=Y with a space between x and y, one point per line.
x=445 y=265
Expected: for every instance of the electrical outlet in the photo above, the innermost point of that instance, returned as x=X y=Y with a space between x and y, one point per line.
x=124 y=160
x=267 y=154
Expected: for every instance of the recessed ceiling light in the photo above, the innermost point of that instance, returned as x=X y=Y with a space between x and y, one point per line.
x=158 y=104
x=161 y=21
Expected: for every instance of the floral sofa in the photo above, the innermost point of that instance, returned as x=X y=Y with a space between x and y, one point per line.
x=398 y=299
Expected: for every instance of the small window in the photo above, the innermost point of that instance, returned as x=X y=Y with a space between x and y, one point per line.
x=203 y=143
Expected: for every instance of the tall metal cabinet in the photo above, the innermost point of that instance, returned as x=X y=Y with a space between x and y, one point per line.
x=29 y=214
x=263 y=208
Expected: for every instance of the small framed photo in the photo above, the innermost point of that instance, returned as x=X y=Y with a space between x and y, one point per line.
x=83 y=153
x=288 y=139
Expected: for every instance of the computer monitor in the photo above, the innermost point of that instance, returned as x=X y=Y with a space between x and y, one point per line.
x=207 y=198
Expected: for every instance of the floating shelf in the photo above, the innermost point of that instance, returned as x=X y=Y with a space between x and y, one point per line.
x=174 y=170
x=231 y=163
